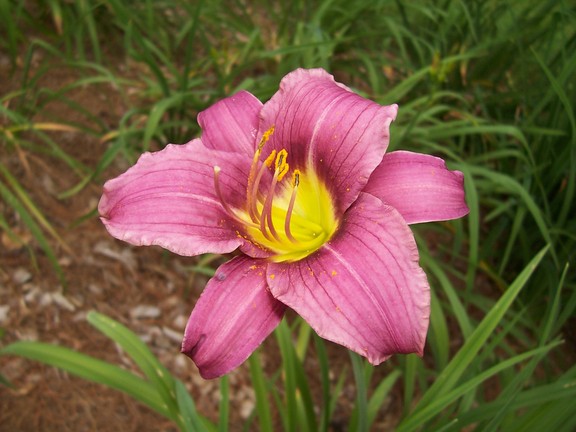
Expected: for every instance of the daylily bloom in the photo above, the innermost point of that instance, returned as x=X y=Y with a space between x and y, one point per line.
x=302 y=189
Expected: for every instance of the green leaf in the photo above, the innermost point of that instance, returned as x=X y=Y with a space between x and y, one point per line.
x=426 y=412
x=465 y=356
x=156 y=114
x=142 y=356
x=325 y=382
x=360 y=421
x=34 y=228
x=188 y=418
x=380 y=394
x=299 y=406
x=262 y=400
x=224 y=404
x=563 y=389
x=91 y=369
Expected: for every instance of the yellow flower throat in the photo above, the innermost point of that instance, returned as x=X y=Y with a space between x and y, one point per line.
x=294 y=217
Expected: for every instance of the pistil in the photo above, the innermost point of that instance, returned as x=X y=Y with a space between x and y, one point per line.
x=295 y=183
x=223 y=202
x=281 y=168
x=252 y=209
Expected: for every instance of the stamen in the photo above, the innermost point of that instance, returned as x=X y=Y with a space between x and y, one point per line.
x=296 y=178
x=282 y=166
x=281 y=169
x=295 y=183
x=283 y=172
x=252 y=209
x=265 y=137
x=270 y=159
x=266 y=216
x=224 y=204
x=251 y=176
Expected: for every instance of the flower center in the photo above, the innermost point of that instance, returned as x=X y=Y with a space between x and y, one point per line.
x=293 y=217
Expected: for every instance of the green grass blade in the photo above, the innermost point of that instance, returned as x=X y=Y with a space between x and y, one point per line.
x=91 y=369
x=557 y=417
x=187 y=416
x=299 y=407
x=361 y=419
x=443 y=400
x=261 y=392
x=303 y=340
x=456 y=306
x=224 y=404
x=438 y=338
x=32 y=208
x=511 y=185
x=465 y=356
x=36 y=231
x=86 y=16
x=283 y=336
x=471 y=189
x=324 y=382
x=142 y=356
x=514 y=387
x=562 y=389
x=570 y=188
x=9 y=34
x=157 y=113
x=380 y=394
x=410 y=375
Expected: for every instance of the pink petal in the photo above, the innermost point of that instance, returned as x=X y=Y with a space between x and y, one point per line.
x=323 y=125
x=168 y=199
x=234 y=314
x=364 y=289
x=232 y=123
x=419 y=186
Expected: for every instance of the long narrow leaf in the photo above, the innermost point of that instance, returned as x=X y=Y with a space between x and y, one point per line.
x=188 y=418
x=91 y=369
x=262 y=402
x=224 y=404
x=361 y=419
x=444 y=400
x=36 y=231
x=139 y=352
x=452 y=373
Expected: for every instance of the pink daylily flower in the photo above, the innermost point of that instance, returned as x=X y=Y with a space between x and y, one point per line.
x=302 y=189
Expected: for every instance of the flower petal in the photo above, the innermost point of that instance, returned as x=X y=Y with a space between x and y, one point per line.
x=232 y=123
x=234 y=314
x=325 y=126
x=168 y=199
x=364 y=289
x=419 y=186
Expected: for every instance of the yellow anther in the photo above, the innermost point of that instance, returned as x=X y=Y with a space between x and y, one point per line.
x=296 y=178
x=281 y=166
x=254 y=175
x=265 y=137
x=270 y=159
x=283 y=170
x=281 y=159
